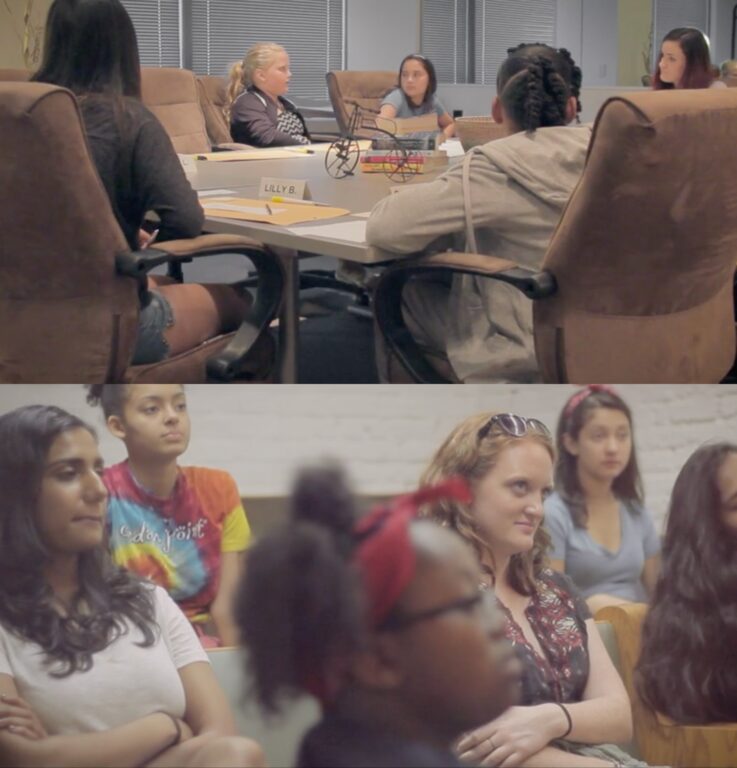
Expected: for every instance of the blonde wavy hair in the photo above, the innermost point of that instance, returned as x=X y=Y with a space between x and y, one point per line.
x=471 y=457
x=258 y=56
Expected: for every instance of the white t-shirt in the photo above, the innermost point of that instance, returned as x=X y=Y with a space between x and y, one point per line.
x=126 y=681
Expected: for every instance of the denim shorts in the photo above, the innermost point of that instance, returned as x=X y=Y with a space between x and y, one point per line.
x=156 y=316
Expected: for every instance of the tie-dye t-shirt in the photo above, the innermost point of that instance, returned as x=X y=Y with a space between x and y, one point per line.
x=176 y=542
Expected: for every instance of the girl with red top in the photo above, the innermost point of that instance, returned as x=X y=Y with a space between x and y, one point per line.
x=573 y=700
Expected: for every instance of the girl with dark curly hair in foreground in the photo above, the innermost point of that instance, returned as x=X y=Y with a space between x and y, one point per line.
x=688 y=663
x=380 y=619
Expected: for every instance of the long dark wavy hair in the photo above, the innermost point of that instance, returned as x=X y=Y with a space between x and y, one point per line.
x=465 y=454
x=107 y=594
x=688 y=662
x=699 y=71
x=627 y=486
x=534 y=84
x=90 y=47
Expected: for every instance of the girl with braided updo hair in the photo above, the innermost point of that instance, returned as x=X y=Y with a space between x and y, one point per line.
x=538 y=86
x=505 y=199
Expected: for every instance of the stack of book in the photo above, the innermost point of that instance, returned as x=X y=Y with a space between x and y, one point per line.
x=410 y=155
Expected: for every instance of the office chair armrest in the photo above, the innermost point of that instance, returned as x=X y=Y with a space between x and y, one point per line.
x=388 y=298
x=225 y=365
x=136 y=263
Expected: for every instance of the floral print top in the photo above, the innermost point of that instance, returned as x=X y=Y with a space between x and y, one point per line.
x=557 y=615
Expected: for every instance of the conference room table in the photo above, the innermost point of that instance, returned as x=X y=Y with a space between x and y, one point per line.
x=357 y=193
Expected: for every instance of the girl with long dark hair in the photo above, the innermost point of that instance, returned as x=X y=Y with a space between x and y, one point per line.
x=91 y=48
x=685 y=61
x=381 y=620
x=96 y=666
x=688 y=662
x=573 y=701
x=602 y=535
x=416 y=94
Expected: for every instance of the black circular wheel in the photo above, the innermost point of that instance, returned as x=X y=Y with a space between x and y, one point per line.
x=399 y=168
x=342 y=158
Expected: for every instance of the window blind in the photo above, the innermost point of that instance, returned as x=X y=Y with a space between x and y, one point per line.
x=312 y=31
x=157 y=28
x=503 y=24
x=669 y=14
x=449 y=53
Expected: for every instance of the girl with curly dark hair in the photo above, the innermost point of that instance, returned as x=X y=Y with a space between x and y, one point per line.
x=573 y=701
x=96 y=667
x=688 y=663
x=380 y=619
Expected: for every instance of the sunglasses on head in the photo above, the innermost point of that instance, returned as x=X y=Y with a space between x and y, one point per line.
x=512 y=425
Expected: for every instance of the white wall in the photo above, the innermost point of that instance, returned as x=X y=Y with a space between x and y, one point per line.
x=380 y=33
x=721 y=29
x=386 y=434
x=600 y=38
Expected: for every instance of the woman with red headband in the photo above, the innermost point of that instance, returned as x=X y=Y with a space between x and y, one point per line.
x=573 y=702
x=603 y=537
x=381 y=621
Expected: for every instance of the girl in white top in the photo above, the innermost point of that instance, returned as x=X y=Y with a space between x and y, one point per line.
x=416 y=94
x=96 y=667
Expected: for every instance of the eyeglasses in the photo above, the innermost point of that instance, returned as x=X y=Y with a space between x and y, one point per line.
x=512 y=425
x=468 y=605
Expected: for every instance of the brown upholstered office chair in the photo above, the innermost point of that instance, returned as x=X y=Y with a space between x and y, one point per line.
x=68 y=282
x=172 y=95
x=636 y=285
x=14 y=75
x=660 y=741
x=364 y=88
x=211 y=91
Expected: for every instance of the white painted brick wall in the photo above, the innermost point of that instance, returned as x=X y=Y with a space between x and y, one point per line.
x=386 y=434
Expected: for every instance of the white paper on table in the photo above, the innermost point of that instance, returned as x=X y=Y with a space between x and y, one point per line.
x=351 y=231
x=452 y=148
x=363 y=215
x=216 y=192
x=261 y=210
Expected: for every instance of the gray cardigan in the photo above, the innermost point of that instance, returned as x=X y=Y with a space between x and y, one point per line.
x=253 y=120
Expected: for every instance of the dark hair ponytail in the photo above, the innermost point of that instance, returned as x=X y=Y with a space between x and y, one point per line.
x=300 y=606
x=535 y=83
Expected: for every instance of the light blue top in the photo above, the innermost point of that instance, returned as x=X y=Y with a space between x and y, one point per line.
x=595 y=569
x=399 y=101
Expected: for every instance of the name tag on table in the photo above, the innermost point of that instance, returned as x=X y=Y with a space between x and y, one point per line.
x=290 y=189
